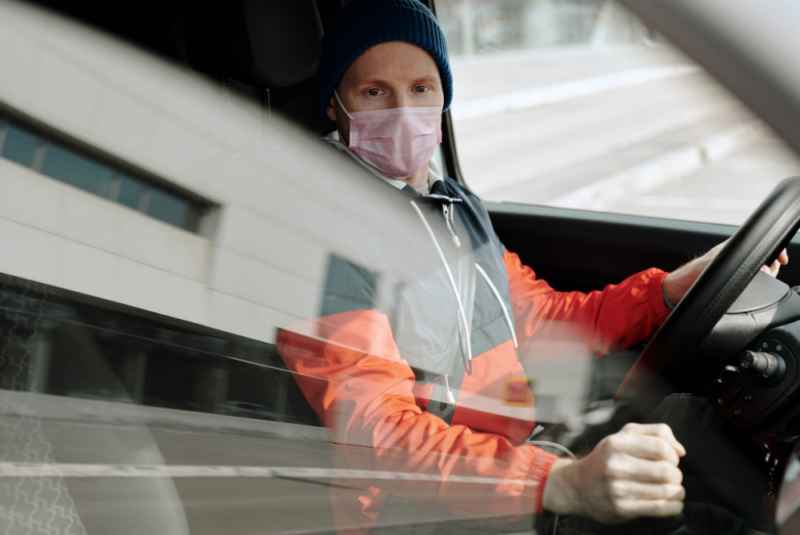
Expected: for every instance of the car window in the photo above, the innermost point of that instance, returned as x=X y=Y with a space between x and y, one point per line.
x=212 y=321
x=577 y=104
x=159 y=235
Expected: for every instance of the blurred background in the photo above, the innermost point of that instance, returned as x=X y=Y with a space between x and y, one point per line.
x=575 y=103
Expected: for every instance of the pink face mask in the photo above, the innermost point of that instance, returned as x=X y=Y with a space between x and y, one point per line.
x=398 y=141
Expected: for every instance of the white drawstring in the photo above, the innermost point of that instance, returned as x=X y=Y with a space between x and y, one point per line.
x=448 y=218
x=503 y=306
x=450 y=397
x=455 y=293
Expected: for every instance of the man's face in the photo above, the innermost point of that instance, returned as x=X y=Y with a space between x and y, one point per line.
x=389 y=75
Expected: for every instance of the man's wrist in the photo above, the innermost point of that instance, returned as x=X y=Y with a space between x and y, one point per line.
x=676 y=284
x=560 y=495
x=669 y=304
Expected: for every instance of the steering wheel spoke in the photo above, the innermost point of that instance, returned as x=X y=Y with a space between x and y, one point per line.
x=658 y=370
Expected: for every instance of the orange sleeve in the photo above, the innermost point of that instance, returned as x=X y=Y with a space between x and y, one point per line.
x=578 y=323
x=351 y=372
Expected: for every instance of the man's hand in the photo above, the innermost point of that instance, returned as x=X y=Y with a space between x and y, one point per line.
x=677 y=283
x=629 y=474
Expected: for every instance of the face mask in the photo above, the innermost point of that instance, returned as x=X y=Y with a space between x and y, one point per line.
x=396 y=142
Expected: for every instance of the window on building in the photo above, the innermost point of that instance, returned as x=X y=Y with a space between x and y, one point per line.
x=169 y=208
x=75 y=170
x=70 y=167
x=129 y=192
x=63 y=346
x=17 y=145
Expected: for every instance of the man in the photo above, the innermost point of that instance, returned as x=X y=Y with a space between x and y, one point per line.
x=384 y=78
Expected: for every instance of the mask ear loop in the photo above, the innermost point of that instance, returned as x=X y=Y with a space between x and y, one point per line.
x=353 y=141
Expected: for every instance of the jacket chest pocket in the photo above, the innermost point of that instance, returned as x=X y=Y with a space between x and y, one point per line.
x=489 y=325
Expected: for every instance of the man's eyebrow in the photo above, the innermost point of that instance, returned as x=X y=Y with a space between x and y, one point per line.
x=427 y=78
x=381 y=81
x=371 y=81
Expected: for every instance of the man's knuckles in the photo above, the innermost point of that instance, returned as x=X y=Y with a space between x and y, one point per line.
x=615 y=444
x=663 y=450
x=631 y=428
x=627 y=508
x=673 y=475
x=623 y=467
x=651 y=448
x=669 y=492
x=664 y=431
x=619 y=508
x=664 y=491
x=660 y=430
x=663 y=508
x=617 y=468
x=664 y=472
x=618 y=489
x=654 y=441
x=659 y=508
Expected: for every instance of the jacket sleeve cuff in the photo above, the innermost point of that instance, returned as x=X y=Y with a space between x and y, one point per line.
x=657 y=295
x=538 y=473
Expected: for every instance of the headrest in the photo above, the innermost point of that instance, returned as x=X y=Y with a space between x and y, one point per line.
x=265 y=43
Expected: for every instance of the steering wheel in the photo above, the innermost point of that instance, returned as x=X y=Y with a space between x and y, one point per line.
x=757 y=242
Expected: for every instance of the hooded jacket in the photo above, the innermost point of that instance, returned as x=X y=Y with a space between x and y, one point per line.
x=370 y=370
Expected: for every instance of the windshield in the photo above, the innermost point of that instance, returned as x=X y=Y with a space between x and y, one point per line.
x=623 y=122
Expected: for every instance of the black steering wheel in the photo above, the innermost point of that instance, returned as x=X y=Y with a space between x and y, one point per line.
x=758 y=241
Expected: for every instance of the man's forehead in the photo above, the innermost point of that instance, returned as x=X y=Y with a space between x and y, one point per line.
x=393 y=60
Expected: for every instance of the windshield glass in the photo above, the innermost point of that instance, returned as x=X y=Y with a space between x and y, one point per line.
x=590 y=109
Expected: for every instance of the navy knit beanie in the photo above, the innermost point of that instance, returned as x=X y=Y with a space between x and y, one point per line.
x=362 y=24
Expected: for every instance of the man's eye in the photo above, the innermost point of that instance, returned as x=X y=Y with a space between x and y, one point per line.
x=421 y=89
x=373 y=92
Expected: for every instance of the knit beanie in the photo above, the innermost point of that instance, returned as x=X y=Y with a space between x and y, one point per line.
x=362 y=24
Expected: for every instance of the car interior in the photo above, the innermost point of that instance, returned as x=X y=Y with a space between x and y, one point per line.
x=267 y=52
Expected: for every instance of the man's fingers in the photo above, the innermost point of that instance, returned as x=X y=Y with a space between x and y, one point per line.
x=658 y=508
x=625 y=490
x=646 y=447
x=773 y=269
x=656 y=430
x=633 y=469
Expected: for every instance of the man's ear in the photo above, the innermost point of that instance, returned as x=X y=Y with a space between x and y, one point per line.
x=330 y=109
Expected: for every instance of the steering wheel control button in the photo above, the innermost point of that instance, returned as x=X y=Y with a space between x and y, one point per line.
x=766 y=367
x=720 y=384
x=761 y=380
x=734 y=396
